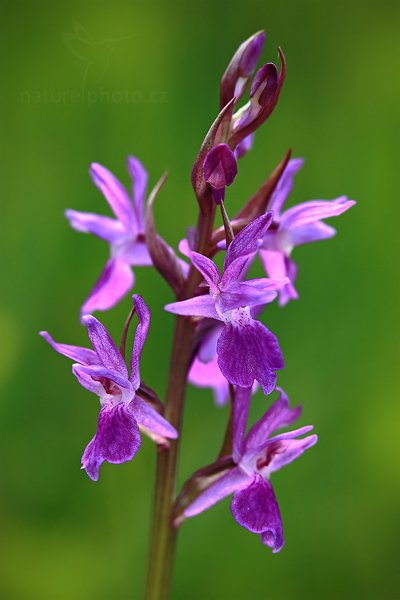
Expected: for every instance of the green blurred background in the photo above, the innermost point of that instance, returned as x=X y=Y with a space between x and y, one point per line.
x=152 y=90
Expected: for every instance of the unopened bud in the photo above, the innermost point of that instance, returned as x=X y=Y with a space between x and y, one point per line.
x=235 y=79
x=219 y=170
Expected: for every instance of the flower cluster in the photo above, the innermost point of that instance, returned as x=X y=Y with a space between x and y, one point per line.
x=221 y=342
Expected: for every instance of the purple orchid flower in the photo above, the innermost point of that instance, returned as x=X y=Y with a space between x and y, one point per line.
x=103 y=371
x=256 y=456
x=298 y=225
x=125 y=234
x=246 y=349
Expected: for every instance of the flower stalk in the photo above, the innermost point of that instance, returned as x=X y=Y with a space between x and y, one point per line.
x=164 y=532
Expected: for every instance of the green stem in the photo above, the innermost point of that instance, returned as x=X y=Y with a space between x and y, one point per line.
x=163 y=537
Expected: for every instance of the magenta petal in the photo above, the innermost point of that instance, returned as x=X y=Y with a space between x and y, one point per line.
x=244 y=146
x=100 y=373
x=84 y=356
x=200 y=306
x=147 y=417
x=117 y=440
x=284 y=186
x=86 y=380
x=104 y=227
x=236 y=270
x=232 y=481
x=279 y=415
x=242 y=294
x=274 y=263
x=207 y=268
x=135 y=254
x=248 y=240
x=114 y=192
x=279 y=266
x=256 y=509
x=141 y=332
x=184 y=247
x=115 y=281
x=314 y=210
x=288 y=450
x=274 y=539
x=208 y=375
x=313 y=232
x=139 y=185
x=249 y=352
x=104 y=346
x=208 y=347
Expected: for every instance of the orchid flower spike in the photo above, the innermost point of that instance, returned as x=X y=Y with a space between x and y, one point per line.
x=125 y=234
x=255 y=457
x=103 y=371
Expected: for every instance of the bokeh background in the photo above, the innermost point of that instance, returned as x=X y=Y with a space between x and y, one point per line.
x=95 y=81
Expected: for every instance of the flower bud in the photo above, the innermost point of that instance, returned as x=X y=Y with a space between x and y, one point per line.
x=264 y=94
x=219 y=170
x=235 y=79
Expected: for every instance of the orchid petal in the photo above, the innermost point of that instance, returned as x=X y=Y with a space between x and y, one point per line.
x=279 y=415
x=142 y=330
x=104 y=227
x=116 y=441
x=104 y=346
x=278 y=266
x=207 y=268
x=84 y=356
x=147 y=417
x=244 y=146
x=208 y=375
x=208 y=346
x=249 y=351
x=92 y=385
x=139 y=185
x=135 y=254
x=256 y=509
x=115 y=281
x=247 y=241
x=184 y=247
x=241 y=294
x=263 y=454
x=274 y=263
x=236 y=270
x=115 y=194
x=200 y=306
x=289 y=450
x=313 y=232
x=284 y=186
x=314 y=210
x=103 y=374
x=232 y=481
